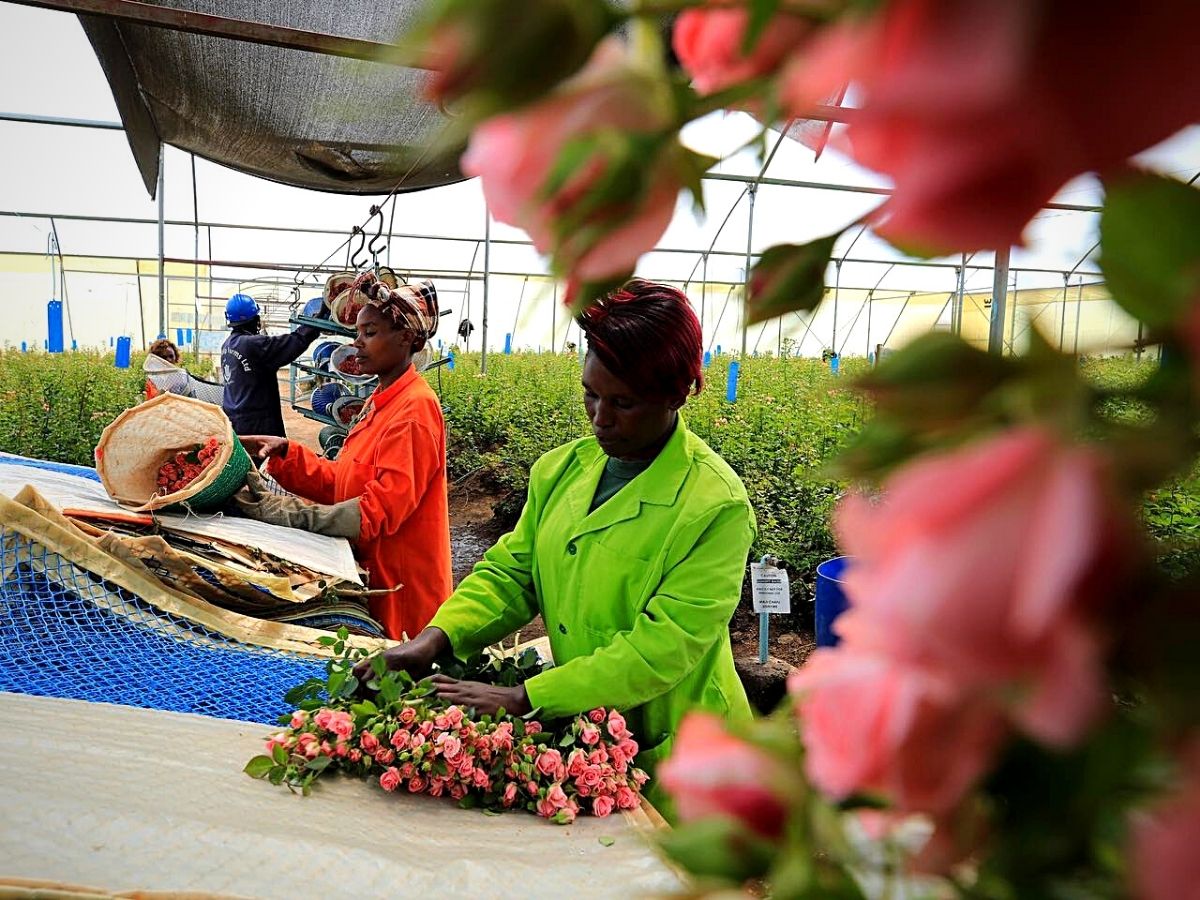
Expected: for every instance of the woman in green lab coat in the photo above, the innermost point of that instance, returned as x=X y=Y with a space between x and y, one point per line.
x=632 y=546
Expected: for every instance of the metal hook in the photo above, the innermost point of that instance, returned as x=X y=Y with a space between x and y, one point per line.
x=375 y=251
x=362 y=240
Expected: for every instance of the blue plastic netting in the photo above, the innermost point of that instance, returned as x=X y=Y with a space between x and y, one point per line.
x=64 y=632
x=82 y=471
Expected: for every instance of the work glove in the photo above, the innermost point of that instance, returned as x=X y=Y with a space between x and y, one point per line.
x=257 y=501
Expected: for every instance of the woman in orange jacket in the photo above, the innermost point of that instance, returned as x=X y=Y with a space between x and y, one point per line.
x=388 y=483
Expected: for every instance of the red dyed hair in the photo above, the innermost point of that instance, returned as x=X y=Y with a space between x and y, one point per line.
x=647 y=335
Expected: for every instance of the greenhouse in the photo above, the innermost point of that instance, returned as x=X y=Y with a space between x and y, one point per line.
x=756 y=438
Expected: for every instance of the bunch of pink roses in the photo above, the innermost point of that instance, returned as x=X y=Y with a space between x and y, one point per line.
x=421 y=746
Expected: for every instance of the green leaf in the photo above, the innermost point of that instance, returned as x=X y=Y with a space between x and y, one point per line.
x=492 y=812
x=279 y=755
x=378 y=665
x=259 y=766
x=788 y=278
x=319 y=764
x=364 y=708
x=718 y=847
x=336 y=682
x=1150 y=246
x=304 y=691
x=389 y=690
x=343 y=633
x=567 y=740
x=326 y=640
x=606 y=841
x=276 y=774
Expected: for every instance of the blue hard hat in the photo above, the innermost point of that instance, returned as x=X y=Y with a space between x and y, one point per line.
x=240 y=308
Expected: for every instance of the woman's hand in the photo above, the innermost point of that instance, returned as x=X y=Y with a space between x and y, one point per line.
x=485 y=699
x=415 y=657
x=264 y=446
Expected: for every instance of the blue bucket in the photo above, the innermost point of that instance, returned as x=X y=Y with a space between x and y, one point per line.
x=831 y=599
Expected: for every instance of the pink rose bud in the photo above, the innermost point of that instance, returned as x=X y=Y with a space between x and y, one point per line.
x=416 y=784
x=300 y=718
x=590 y=735
x=385 y=756
x=549 y=762
x=602 y=806
x=596 y=715
x=533 y=727
x=510 y=794
x=368 y=742
x=709 y=44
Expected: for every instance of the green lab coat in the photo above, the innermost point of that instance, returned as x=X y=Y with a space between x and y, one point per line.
x=636 y=596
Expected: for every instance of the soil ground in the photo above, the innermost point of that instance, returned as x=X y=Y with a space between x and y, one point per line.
x=473 y=529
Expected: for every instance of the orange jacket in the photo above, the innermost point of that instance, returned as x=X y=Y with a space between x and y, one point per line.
x=395 y=460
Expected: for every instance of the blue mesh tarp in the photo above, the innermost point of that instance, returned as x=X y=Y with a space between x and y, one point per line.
x=64 y=632
x=82 y=471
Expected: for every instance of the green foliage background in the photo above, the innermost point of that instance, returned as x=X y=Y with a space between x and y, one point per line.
x=791 y=418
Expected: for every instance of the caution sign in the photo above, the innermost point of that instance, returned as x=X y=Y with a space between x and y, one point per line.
x=770 y=589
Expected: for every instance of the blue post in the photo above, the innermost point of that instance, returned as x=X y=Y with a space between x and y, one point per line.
x=23 y=350
x=718 y=349
x=507 y=344
x=834 y=361
x=450 y=361
x=124 y=348
x=74 y=344
x=54 y=326
x=707 y=358
x=110 y=340
x=731 y=382
x=189 y=335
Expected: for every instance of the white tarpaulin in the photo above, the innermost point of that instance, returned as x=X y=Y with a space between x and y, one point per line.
x=133 y=799
x=330 y=556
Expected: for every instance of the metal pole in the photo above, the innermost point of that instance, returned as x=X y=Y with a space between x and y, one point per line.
x=1062 y=319
x=487 y=270
x=1078 y=314
x=703 y=294
x=753 y=191
x=837 y=286
x=999 y=300
x=869 y=296
x=196 y=266
x=1012 y=327
x=958 y=301
x=553 y=316
x=162 y=280
x=779 y=338
x=1137 y=348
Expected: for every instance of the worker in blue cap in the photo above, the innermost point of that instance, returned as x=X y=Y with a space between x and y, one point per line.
x=250 y=362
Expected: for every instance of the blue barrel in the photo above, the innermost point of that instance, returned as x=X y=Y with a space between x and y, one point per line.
x=124 y=348
x=507 y=344
x=54 y=326
x=450 y=361
x=831 y=599
x=707 y=358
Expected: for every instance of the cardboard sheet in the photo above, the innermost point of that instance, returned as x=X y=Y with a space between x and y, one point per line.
x=331 y=556
x=122 y=799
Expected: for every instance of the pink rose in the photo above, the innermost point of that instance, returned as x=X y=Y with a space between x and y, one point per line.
x=590 y=735
x=425 y=729
x=627 y=799
x=639 y=777
x=416 y=784
x=385 y=756
x=437 y=787
x=407 y=770
x=708 y=43
x=509 y=797
x=400 y=739
x=590 y=776
x=978 y=132
x=502 y=737
x=300 y=718
x=515 y=154
x=280 y=739
x=407 y=716
x=369 y=742
x=599 y=756
x=449 y=745
x=602 y=806
x=710 y=772
x=617 y=727
x=466 y=767
x=596 y=715
x=557 y=796
x=576 y=762
x=1163 y=857
x=549 y=762
x=440 y=722
x=582 y=789
x=872 y=724
x=545 y=808
x=355 y=755
x=323 y=718
x=1028 y=529
x=458 y=790
x=531 y=787
x=342 y=724
x=389 y=779
x=480 y=779
x=455 y=716
x=416 y=740
x=532 y=727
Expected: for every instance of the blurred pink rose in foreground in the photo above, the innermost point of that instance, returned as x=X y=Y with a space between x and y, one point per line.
x=515 y=155
x=988 y=564
x=712 y=773
x=708 y=43
x=870 y=724
x=1166 y=841
x=981 y=110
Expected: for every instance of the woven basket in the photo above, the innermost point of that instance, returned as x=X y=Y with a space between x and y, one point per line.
x=136 y=444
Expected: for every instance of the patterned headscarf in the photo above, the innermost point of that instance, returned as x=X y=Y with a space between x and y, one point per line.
x=412 y=306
